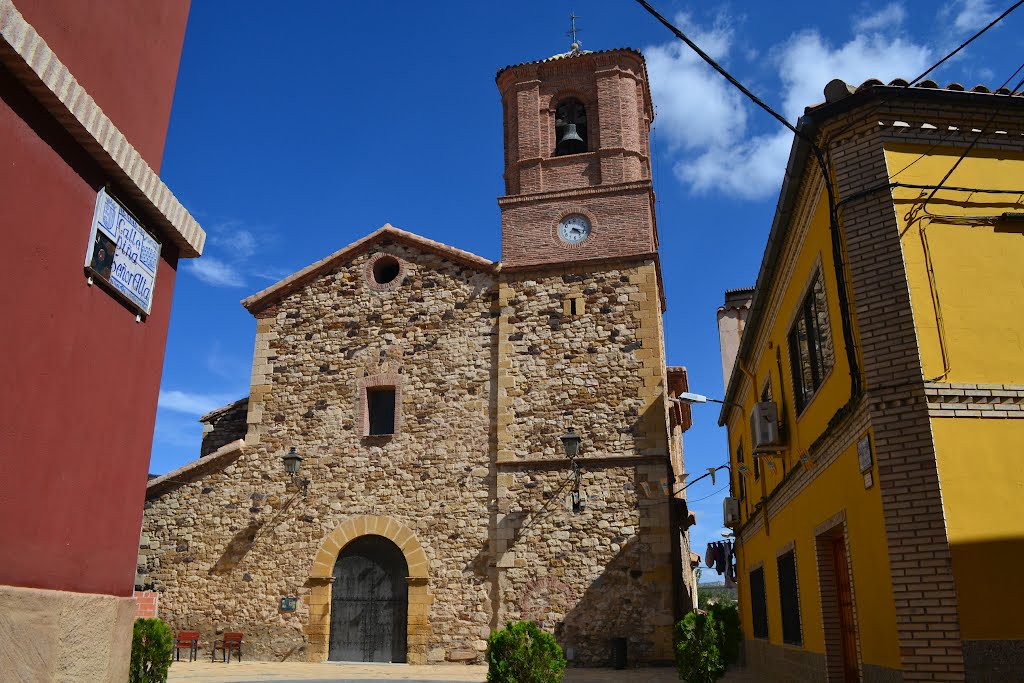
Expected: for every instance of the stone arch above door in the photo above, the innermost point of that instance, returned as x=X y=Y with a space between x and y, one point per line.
x=318 y=628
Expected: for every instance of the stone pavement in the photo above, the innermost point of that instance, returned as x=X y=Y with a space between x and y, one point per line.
x=299 y=672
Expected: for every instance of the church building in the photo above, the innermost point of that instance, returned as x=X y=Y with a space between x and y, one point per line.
x=435 y=444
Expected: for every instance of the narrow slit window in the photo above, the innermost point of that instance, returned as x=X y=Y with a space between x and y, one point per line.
x=380 y=402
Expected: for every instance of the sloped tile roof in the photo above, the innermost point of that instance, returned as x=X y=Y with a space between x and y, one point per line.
x=223 y=409
x=571 y=54
x=219 y=459
x=839 y=89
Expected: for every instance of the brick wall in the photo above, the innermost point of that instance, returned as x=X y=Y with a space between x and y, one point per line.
x=922 y=574
x=148 y=603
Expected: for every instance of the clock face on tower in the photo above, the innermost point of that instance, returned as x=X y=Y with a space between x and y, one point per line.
x=574 y=228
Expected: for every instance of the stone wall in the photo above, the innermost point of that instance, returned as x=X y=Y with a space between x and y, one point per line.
x=224 y=425
x=473 y=487
x=232 y=544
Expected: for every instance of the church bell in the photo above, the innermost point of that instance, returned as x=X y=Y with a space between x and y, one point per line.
x=570 y=142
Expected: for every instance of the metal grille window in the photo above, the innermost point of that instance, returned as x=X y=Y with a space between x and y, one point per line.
x=811 y=355
x=380 y=401
x=758 y=603
x=789 y=599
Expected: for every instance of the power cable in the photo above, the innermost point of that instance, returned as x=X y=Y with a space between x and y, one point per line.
x=981 y=131
x=838 y=257
x=965 y=44
x=713 y=493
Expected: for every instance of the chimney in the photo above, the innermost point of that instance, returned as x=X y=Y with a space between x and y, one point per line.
x=732 y=318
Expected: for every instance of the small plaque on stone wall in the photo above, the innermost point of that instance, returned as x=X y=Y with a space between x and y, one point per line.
x=289 y=604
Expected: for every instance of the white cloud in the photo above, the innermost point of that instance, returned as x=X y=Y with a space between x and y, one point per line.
x=704 y=120
x=215 y=272
x=696 y=106
x=751 y=168
x=971 y=15
x=191 y=403
x=888 y=18
x=238 y=242
x=807 y=63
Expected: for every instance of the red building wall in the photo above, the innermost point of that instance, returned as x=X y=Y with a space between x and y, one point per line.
x=80 y=377
x=125 y=53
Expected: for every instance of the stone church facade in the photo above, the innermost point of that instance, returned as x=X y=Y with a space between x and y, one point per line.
x=426 y=390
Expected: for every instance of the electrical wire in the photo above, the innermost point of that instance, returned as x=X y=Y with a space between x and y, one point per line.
x=713 y=493
x=838 y=255
x=981 y=131
x=970 y=40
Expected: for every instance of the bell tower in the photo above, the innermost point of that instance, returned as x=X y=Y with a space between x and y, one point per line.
x=577 y=159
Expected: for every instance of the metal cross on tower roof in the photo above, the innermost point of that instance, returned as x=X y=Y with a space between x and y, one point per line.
x=572 y=31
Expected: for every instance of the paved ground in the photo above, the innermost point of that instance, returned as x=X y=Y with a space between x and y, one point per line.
x=300 y=672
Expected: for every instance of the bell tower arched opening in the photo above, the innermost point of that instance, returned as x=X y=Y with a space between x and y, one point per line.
x=570 y=127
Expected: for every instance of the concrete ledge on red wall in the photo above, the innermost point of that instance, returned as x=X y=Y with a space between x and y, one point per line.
x=62 y=636
x=24 y=52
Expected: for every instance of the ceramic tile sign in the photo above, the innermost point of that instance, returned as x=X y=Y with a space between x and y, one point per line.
x=122 y=253
x=289 y=604
x=864 y=453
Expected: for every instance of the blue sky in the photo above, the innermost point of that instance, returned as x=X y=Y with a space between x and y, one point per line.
x=298 y=128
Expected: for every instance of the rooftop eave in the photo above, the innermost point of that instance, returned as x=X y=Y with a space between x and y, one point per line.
x=28 y=57
x=801 y=153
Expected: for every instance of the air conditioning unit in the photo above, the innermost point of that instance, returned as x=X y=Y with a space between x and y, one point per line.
x=764 y=428
x=731 y=512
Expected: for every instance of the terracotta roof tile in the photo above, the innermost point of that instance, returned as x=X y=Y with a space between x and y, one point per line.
x=837 y=89
x=571 y=54
x=223 y=409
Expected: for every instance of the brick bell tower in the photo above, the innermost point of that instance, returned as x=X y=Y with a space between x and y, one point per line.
x=577 y=159
x=581 y=346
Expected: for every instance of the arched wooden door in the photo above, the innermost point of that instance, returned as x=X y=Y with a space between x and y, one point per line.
x=369 y=602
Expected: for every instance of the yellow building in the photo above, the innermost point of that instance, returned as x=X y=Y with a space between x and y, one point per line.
x=878 y=458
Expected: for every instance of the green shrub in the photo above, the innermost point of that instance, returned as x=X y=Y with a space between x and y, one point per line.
x=152 y=643
x=522 y=653
x=729 y=634
x=698 y=653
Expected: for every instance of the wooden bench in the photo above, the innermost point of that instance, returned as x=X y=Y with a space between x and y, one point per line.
x=189 y=639
x=229 y=642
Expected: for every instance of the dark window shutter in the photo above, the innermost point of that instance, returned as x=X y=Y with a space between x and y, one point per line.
x=789 y=599
x=758 y=603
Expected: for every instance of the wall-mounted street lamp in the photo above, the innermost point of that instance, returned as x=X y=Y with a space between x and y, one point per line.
x=292 y=463
x=571 y=443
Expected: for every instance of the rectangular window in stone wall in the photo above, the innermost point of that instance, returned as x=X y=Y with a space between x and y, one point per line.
x=380 y=402
x=810 y=344
x=758 y=603
x=789 y=599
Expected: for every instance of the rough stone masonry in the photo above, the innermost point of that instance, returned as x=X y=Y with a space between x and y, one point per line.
x=489 y=367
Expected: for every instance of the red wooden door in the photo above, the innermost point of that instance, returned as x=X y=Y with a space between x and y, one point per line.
x=847 y=629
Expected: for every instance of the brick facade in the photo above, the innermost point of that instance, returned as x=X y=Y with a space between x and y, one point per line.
x=897 y=406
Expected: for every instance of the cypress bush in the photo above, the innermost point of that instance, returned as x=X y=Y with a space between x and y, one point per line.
x=152 y=644
x=698 y=655
x=728 y=617
x=522 y=653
